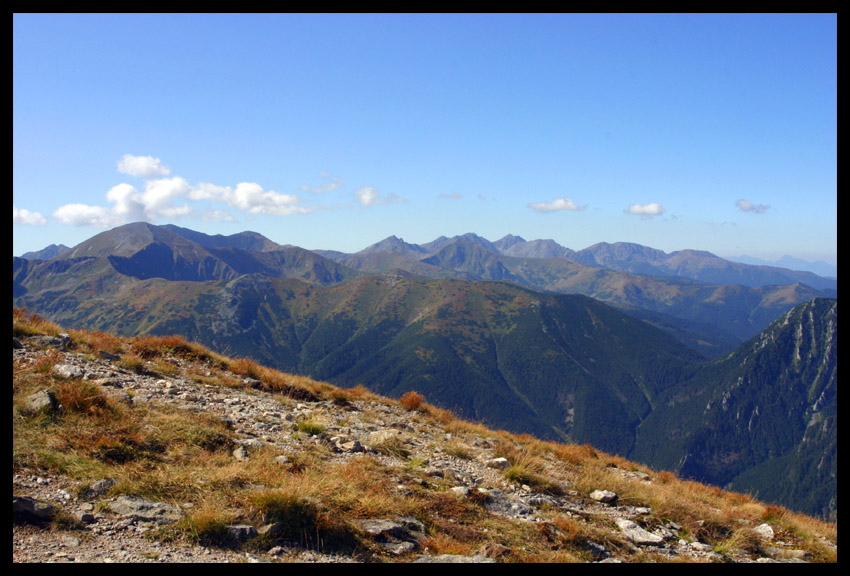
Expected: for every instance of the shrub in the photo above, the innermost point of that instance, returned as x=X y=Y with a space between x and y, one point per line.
x=411 y=400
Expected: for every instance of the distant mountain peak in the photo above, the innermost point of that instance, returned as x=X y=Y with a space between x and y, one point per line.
x=394 y=244
x=46 y=253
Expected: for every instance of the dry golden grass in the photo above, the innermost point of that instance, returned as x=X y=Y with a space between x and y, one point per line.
x=411 y=400
x=164 y=453
x=97 y=341
x=26 y=323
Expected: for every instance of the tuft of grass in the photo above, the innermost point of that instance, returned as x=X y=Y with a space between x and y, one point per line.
x=458 y=449
x=82 y=397
x=526 y=468
x=133 y=362
x=311 y=427
x=411 y=400
x=742 y=540
x=207 y=527
x=26 y=323
x=246 y=367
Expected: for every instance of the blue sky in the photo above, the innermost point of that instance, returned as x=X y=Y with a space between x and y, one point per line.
x=713 y=132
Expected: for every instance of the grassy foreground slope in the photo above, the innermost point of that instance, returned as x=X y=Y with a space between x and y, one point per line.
x=321 y=497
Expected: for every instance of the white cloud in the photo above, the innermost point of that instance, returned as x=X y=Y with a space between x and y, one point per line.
x=450 y=196
x=142 y=166
x=368 y=196
x=159 y=196
x=130 y=205
x=127 y=205
x=747 y=206
x=251 y=197
x=23 y=216
x=554 y=206
x=207 y=191
x=163 y=198
x=645 y=211
x=84 y=215
x=217 y=216
x=334 y=184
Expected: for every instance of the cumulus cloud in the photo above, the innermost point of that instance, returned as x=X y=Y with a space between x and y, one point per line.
x=159 y=197
x=84 y=215
x=645 y=211
x=129 y=205
x=23 y=216
x=251 y=197
x=369 y=196
x=554 y=206
x=747 y=206
x=142 y=166
x=171 y=197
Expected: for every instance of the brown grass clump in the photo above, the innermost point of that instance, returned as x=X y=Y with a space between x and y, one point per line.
x=97 y=341
x=26 y=323
x=411 y=400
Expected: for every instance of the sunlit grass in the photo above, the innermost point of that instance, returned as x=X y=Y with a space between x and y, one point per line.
x=184 y=458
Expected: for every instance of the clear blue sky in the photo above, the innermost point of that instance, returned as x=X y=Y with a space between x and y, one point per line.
x=713 y=132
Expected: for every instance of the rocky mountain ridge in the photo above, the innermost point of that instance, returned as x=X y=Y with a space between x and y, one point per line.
x=577 y=505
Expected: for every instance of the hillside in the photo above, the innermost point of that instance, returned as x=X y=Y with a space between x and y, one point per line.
x=155 y=449
x=559 y=366
x=544 y=364
x=763 y=419
x=710 y=318
x=704 y=299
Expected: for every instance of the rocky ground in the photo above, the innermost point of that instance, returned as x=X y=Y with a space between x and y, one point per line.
x=115 y=528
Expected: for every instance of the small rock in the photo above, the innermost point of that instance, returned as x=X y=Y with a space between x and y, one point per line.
x=42 y=401
x=103 y=355
x=785 y=553
x=68 y=371
x=241 y=532
x=240 y=453
x=498 y=463
x=493 y=550
x=764 y=530
x=31 y=510
x=97 y=489
x=637 y=534
x=85 y=517
x=144 y=509
x=604 y=496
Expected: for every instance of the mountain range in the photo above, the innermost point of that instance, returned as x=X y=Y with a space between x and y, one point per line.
x=620 y=346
